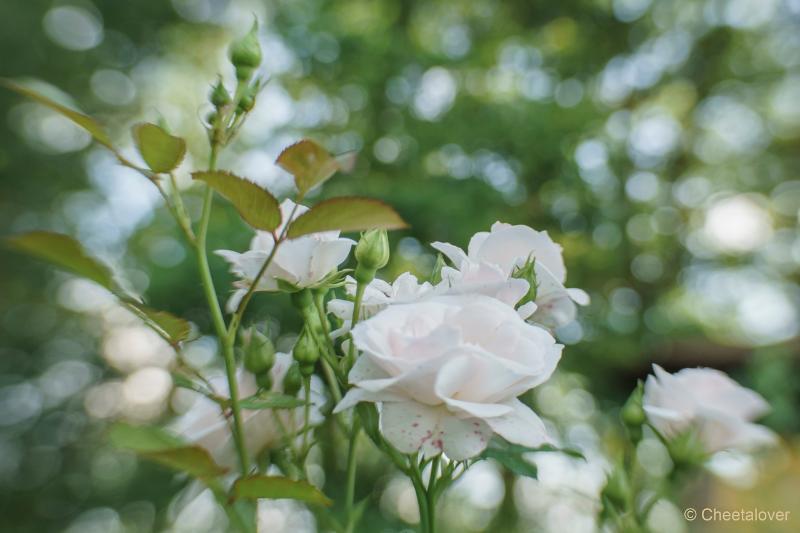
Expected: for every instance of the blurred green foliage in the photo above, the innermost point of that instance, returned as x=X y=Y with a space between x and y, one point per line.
x=657 y=142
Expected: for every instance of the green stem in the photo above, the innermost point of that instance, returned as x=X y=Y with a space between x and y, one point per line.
x=352 y=463
x=360 y=287
x=180 y=210
x=422 y=498
x=333 y=382
x=431 y=493
x=219 y=321
x=306 y=413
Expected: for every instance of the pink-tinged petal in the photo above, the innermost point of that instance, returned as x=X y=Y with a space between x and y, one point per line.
x=453 y=380
x=263 y=241
x=410 y=426
x=525 y=311
x=365 y=369
x=455 y=254
x=510 y=246
x=356 y=395
x=579 y=296
x=235 y=299
x=327 y=256
x=522 y=426
x=477 y=241
x=464 y=438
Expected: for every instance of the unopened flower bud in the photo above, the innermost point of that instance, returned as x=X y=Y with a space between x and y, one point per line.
x=528 y=273
x=293 y=380
x=219 y=95
x=372 y=254
x=259 y=352
x=686 y=450
x=305 y=352
x=264 y=380
x=248 y=100
x=632 y=414
x=245 y=54
x=617 y=489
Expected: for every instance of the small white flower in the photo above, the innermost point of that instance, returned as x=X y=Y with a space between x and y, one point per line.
x=496 y=253
x=446 y=372
x=301 y=262
x=708 y=401
x=204 y=424
x=378 y=295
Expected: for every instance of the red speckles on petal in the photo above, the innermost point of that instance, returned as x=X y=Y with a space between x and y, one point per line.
x=438 y=444
x=415 y=424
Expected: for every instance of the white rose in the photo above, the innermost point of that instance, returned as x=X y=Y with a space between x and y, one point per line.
x=301 y=262
x=507 y=247
x=487 y=279
x=204 y=424
x=708 y=401
x=377 y=296
x=446 y=373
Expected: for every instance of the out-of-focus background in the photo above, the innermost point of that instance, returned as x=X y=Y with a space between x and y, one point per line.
x=659 y=142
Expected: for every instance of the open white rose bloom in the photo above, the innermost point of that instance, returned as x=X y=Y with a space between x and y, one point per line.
x=489 y=264
x=378 y=295
x=204 y=423
x=302 y=262
x=447 y=371
x=708 y=401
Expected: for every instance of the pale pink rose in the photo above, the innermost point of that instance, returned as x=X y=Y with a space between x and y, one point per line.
x=301 y=262
x=708 y=401
x=204 y=424
x=447 y=371
x=495 y=255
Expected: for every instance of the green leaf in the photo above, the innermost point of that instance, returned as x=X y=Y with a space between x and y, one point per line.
x=166 y=449
x=65 y=252
x=161 y=151
x=142 y=438
x=256 y=205
x=270 y=400
x=515 y=462
x=346 y=214
x=512 y=456
x=277 y=487
x=94 y=128
x=193 y=460
x=309 y=163
x=172 y=328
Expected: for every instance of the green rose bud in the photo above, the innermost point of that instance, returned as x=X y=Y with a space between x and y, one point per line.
x=687 y=450
x=264 y=380
x=293 y=380
x=248 y=100
x=528 y=273
x=372 y=254
x=632 y=414
x=305 y=352
x=245 y=54
x=617 y=490
x=259 y=352
x=219 y=95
